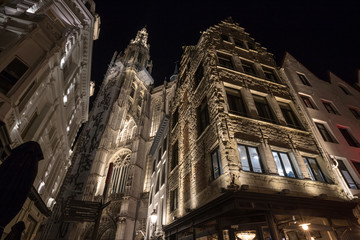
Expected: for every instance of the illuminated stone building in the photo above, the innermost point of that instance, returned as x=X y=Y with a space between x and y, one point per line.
x=45 y=65
x=333 y=109
x=242 y=158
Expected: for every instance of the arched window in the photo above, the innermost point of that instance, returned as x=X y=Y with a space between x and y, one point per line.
x=120 y=171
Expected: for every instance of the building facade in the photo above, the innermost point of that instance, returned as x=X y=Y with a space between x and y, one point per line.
x=45 y=66
x=243 y=161
x=333 y=108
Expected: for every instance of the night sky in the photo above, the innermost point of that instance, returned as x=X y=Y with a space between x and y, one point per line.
x=323 y=36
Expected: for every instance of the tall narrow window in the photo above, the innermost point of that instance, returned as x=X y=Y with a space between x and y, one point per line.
x=132 y=91
x=216 y=163
x=355 y=112
x=175 y=155
x=263 y=108
x=175 y=117
x=308 y=102
x=199 y=74
x=235 y=101
x=326 y=135
x=314 y=169
x=303 y=79
x=120 y=173
x=351 y=140
x=11 y=74
x=174 y=199
x=330 y=107
x=346 y=175
x=203 y=116
x=164 y=144
x=29 y=125
x=248 y=68
x=163 y=175
x=154 y=166
x=289 y=115
x=284 y=164
x=250 y=159
x=225 y=61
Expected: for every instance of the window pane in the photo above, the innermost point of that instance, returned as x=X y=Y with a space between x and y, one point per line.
x=316 y=170
x=309 y=169
x=288 y=168
x=349 y=179
x=255 y=159
x=215 y=158
x=243 y=158
x=278 y=164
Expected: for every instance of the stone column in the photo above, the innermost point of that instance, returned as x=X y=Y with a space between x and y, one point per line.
x=268 y=161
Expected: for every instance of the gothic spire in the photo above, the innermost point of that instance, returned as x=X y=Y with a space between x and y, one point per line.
x=141 y=38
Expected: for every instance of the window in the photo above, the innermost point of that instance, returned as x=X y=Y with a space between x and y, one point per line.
x=174 y=199
x=325 y=133
x=225 y=37
x=314 y=169
x=199 y=74
x=11 y=74
x=346 y=175
x=289 y=115
x=29 y=125
x=248 y=68
x=263 y=108
x=284 y=164
x=330 y=107
x=203 y=116
x=225 y=61
x=303 y=79
x=345 y=90
x=159 y=155
x=216 y=163
x=235 y=101
x=355 y=112
x=164 y=144
x=270 y=75
x=175 y=117
x=250 y=159
x=308 y=102
x=251 y=45
x=132 y=91
x=351 y=140
x=163 y=175
x=154 y=165
x=175 y=155
x=239 y=43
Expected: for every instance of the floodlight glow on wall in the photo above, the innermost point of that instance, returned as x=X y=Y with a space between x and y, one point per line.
x=246 y=235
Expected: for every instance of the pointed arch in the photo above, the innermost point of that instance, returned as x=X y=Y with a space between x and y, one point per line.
x=121 y=162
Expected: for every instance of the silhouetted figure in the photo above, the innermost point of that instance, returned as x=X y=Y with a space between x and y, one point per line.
x=17 y=175
x=16 y=231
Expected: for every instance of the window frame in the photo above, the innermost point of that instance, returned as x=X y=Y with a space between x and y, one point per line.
x=303 y=79
x=250 y=160
x=275 y=78
x=325 y=132
x=289 y=115
x=225 y=61
x=330 y=107
x=175 y=117
x=311 y=170
x=216 y=162
x=248 y=65
x=342 y=167
x=264 y=107
x=348 y=136
x=293 y=169
x=175 y=155
x=235 y=101
x=203 y=116
x=345 y=90
x=174 y=200
x=355 y=112
x=9 y=77
x=308 y=102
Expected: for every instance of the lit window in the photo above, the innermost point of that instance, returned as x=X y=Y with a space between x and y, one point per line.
x=11 y=74
x=314 y=169
x=289 y=115
x=351 y=140
x=250 y=159
x=235 y=101
x=263 y=108
x=345 y=90
x=203 y=116
x=174 y=199
x=225 y=61
x=308 y=102
x=326 y=135
x=355 y=112
x=346 y=175
x=303 y=79
x=248 y=68
x=216 y=163
x=284 y=164
x=330 y=107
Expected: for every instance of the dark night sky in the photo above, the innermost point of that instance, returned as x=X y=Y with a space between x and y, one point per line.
x=323 y=36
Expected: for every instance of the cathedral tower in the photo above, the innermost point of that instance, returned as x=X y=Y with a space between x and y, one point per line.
x=114 y=140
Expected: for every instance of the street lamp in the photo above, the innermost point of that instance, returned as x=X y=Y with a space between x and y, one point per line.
x=305 y=226
x=246 y=235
